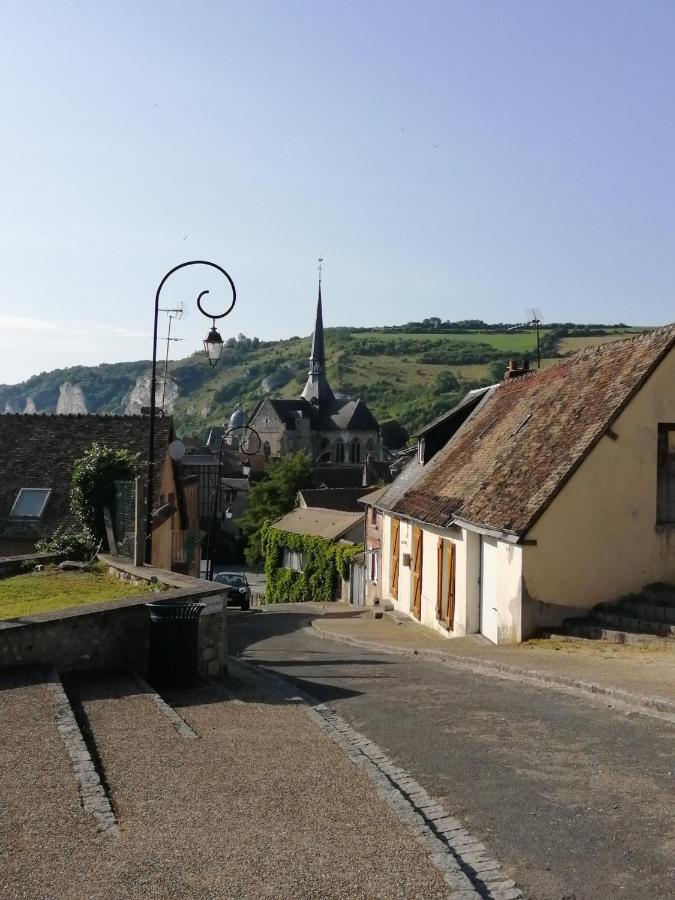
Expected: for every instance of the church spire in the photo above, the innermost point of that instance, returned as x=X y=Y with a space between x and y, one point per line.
x=317 y=390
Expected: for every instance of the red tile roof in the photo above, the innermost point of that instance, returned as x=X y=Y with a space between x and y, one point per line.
x=512 y=456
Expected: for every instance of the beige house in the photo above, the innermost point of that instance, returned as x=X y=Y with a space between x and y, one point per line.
x=556 y=493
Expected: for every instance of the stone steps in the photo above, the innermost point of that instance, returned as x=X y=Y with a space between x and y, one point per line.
x=617 y=619
x=589 y=630
x=652 y=612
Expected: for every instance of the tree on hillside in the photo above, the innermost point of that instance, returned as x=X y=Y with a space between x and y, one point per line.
x=272 y=498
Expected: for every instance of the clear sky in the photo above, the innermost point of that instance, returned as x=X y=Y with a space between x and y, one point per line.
x=457 y=159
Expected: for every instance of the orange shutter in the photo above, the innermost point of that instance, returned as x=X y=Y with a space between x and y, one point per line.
x=394 y=555
x=439 y=578
x=417 y=571
x=450 y=562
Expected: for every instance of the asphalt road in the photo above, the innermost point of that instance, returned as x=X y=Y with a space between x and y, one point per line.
x=575 y=798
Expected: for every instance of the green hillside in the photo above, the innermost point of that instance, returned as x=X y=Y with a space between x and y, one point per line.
x=410 y=373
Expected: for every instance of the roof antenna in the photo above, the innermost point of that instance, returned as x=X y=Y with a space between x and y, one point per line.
x=176 y=313
x=533 y=322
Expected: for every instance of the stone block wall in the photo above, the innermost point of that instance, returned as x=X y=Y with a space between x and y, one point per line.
x=113 y=634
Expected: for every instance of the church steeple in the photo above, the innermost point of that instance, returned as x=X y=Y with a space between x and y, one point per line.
x=317 y=390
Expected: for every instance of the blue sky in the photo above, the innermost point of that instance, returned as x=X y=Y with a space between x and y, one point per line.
x=458 y=159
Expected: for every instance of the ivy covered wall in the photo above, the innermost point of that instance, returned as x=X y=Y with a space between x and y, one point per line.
x=324 y=564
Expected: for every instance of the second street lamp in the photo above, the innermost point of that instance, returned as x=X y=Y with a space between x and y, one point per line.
x=249 y=446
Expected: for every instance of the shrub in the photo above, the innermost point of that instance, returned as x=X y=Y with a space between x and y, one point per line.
x=74 y=541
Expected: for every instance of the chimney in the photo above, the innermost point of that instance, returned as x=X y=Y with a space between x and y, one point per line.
x=513 y=371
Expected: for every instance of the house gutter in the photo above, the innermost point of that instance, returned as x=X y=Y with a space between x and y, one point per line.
x=510 y=537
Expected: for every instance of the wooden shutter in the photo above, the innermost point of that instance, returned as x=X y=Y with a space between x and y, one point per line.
x=450 y=555
x=394 y=555
x=417 y=572
x=439 y=579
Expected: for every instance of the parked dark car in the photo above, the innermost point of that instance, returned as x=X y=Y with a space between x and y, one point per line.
x=238 y=590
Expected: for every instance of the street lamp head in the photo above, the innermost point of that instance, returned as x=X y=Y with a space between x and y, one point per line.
x=213 y=346
x=228 y=513
x=246 y=469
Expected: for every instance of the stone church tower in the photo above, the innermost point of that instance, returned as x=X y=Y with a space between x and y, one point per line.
x=334 y=431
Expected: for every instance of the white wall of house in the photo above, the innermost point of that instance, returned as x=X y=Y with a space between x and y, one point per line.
x=508 y=580
x=599 y=538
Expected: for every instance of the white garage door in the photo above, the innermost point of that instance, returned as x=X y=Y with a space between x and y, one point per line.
x=488 y=588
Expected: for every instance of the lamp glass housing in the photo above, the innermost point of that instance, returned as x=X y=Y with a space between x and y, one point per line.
x=213 y=346
x=246 y=469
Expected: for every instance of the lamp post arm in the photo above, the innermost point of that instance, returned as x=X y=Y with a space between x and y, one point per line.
x=153 y=384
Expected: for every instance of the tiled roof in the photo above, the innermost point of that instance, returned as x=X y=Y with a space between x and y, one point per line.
x=326 y=523
x=340 y=498
x=346 y=415
x=337 y=476
x=511 y=457
x=40 y=451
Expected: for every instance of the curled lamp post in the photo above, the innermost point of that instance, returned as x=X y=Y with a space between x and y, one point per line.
x=213 y=346
x=249 y=446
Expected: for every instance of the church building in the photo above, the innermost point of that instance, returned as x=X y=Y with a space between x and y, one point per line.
x=332 y=430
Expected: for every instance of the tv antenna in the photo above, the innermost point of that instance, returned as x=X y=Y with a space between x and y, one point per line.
x=172 y=313
x=534 y=322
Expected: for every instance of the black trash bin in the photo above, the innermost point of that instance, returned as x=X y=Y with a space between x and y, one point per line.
x=174 y=642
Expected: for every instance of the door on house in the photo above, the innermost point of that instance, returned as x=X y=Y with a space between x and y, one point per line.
x=488 y=588
x=357 y=583
x=417 y=573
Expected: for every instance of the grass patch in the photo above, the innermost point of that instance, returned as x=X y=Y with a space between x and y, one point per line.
x=52 y=589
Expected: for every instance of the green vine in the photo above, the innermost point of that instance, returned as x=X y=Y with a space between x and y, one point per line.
x=323 y=564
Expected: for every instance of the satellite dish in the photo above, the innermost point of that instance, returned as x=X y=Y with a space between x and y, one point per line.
x=176 y=449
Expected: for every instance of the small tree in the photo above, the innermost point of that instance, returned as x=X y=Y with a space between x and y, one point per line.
x=272 y=498
x=93 y=484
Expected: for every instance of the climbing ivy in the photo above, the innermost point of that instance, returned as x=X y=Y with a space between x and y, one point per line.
x=323 y=563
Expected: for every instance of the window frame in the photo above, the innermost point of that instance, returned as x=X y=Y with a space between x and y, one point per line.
x=14 y=515
x=665 y=476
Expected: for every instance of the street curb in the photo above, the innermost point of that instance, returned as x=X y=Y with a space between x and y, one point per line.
x=93 y=795
x=657 y=707
x=468 y=868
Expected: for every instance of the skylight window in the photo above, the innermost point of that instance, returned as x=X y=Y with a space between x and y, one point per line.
x=30 y=503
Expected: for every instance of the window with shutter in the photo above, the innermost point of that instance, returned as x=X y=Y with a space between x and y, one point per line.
x=394 y=557
x=417 y=572
x=445 y=597
x=665 y=475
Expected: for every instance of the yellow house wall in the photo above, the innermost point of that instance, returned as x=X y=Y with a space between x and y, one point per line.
x=598 y=539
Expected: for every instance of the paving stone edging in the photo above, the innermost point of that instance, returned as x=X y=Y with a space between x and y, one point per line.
x=93 y=796
x=165 y=708
x=661 y=706
x=468 y=868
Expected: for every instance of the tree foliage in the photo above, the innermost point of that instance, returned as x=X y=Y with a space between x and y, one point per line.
x=272 y=498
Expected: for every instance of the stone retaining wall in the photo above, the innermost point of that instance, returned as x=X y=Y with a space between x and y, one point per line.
x=115 y=633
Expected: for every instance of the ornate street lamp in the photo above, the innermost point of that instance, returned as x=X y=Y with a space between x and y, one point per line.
x=213 y=346
x=249 y=446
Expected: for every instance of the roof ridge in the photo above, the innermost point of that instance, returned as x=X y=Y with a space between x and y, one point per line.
x=647 y=335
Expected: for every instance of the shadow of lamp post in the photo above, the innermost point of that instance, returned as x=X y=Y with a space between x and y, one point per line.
x=213 y=347
x=249 y=446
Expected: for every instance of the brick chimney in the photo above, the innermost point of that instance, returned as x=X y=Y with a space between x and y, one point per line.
x=514 y=371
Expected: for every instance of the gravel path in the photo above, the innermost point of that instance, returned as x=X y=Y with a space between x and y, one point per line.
x=44 y=831
x=261 y=805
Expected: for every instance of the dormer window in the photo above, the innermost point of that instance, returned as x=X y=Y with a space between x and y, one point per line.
x=30 y=503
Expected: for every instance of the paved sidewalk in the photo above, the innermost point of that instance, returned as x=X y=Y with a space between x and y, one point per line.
x=644 y=672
